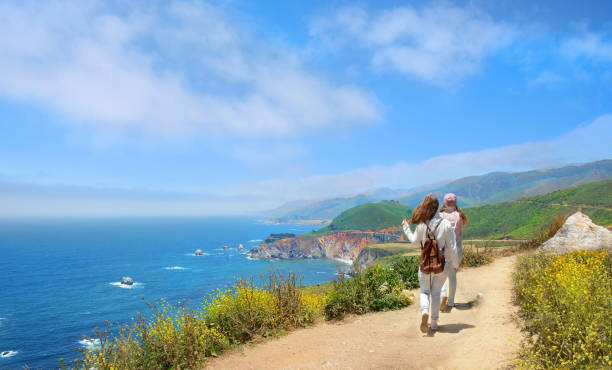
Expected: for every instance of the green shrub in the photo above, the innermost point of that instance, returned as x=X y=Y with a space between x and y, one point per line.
x=408 y=269
x=565 y=303
x=378 y=288
x=475 y=257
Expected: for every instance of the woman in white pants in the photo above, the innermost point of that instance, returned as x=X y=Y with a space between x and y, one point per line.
x=426 y=215
x=459 y=222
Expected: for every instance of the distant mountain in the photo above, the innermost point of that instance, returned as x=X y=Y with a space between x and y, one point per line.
x=327 y=209
x=498 y=187
x=522 y=219
x=491 y=188
x=369 y=216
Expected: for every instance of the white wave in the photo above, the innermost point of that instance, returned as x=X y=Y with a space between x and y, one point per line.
x=321 y=272
x=125 y=286
x=7 y=354
x=193 y=255
x=344 y=260
x=90 y=343
x=176 y=268
x=255 y=240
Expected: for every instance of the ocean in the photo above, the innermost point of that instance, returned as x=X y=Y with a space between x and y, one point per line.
x=59 y=279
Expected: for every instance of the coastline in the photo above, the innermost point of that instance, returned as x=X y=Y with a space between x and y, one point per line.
x=322 y=222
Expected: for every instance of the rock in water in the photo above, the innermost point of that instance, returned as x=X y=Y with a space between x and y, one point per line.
x=240 y=247
x=198 y=252
x=578 y=233
x=127 y=281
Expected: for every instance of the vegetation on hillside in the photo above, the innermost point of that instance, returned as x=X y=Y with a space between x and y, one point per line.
x=522 y=219
x=472 y=191
x=370 y=216
x=565 y=303
x=502 y=186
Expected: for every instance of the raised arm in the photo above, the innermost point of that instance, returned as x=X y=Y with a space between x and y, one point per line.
x=412 y=237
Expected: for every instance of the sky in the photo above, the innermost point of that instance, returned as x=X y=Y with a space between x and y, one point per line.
x=115 y=108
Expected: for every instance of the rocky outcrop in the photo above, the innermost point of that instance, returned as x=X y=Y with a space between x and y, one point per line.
x=127 y=281
x=367 y=256
x=345 y=245
x=275 y=237
x=198 y=252
x=578 y=233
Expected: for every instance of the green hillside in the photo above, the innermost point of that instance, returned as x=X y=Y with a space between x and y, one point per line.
x=370 y=216
x=523 y=218
x=501 y=186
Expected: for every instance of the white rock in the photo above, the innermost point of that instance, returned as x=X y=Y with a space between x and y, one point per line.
x=578 y=233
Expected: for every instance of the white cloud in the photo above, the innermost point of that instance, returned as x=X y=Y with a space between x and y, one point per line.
x=547 y=78
x=440 y=44
x=586 y=143
x=165 y=68
x=590 y=46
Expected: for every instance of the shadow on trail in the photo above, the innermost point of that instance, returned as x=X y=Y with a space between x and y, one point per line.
x=449 y=328
x=463 y=306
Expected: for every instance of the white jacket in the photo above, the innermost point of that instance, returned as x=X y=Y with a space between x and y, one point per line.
x=444 y=235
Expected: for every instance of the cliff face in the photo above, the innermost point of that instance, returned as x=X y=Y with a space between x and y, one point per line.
x=368 y=255
x=345 y=245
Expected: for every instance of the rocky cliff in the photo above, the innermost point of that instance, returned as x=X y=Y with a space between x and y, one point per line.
x=345 y=245
x=367 y=256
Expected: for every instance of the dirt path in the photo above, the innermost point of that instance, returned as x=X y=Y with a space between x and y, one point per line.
x=478 y=334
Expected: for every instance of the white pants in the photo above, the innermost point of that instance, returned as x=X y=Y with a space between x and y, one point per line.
x=452 y=280
x=431 y=284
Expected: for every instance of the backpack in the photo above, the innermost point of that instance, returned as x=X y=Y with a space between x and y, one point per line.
x=432 y=257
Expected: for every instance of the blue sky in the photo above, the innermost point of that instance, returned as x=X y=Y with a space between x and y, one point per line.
x=196 y=107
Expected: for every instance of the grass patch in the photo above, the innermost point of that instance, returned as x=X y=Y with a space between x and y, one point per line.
x=397 y=248
x=565 y=304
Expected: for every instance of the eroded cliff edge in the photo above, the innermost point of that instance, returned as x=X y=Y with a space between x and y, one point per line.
x=344 y=245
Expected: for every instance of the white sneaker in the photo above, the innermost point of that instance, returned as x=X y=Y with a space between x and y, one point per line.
x=434 y=325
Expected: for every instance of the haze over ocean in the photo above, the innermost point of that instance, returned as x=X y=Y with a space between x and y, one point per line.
x=57 y=276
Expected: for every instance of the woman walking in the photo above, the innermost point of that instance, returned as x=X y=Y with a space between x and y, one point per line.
x=431 y=225
x=451 y=212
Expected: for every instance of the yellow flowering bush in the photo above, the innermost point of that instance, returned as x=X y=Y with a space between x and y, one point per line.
x=174 y=337
x=182 y=338
x=313 y=304
x=243 y=312
x=566 y=304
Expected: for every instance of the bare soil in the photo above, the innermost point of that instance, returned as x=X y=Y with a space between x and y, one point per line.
x=480 y=333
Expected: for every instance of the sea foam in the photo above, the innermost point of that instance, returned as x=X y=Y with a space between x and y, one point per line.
x=90 y=343
x=6 y=354
x=176 y=268
x=125 y=286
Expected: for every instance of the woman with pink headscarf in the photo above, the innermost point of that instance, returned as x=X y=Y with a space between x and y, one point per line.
x=451 y=212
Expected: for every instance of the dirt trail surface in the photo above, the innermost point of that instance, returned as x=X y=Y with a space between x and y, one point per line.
x=478 y=334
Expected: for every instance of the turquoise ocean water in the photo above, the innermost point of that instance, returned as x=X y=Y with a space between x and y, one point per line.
x=59 y=279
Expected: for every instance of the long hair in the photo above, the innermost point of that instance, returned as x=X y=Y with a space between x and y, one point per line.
x=426 y=210
x=462 y=215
